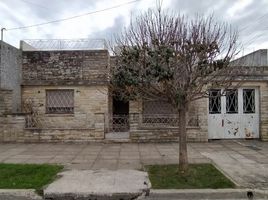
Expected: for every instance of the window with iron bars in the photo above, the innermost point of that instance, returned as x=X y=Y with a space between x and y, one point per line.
x=60 y=101
x=231 y=101
x=248 y=100
x=214 y=101
x=158 y=112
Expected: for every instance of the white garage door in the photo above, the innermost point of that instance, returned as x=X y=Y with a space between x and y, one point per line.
x=234 y=115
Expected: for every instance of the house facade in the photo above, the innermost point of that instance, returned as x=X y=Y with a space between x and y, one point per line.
x=64 y=96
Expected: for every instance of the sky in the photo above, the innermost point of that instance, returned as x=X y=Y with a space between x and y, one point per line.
x=250 y=17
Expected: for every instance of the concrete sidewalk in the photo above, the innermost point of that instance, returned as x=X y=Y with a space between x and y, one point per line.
x=97 y=155
x=245 y=162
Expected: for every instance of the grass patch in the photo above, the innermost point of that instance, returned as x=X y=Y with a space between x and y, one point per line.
x=27 y=176
x=198 y=176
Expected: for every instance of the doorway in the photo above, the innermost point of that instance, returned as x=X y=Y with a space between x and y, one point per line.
x=234 y=115
x=120 y=118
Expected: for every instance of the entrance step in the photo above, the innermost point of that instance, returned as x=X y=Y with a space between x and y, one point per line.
x=99 y=185
x=117 y=140
x=117 y=136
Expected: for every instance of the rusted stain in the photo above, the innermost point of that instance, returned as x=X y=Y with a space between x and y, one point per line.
x=248 y=133
x=228 y=121
x=236 y=131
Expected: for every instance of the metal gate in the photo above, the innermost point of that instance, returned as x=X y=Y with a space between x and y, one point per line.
x=234 y=115
x=118 y=123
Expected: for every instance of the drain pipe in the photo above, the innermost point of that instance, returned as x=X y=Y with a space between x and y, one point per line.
x=2 y=33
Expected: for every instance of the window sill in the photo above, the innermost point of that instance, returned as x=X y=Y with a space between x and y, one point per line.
x=59 y=115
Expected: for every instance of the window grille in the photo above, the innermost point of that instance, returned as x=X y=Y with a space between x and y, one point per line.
x=248 y=100
x=214 y=101
x=158 y=112
x=157 y=107
x=231 y=101
x=60 y=101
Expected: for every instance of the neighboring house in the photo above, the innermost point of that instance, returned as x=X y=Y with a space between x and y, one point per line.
x=10 y=73
x=65 y=97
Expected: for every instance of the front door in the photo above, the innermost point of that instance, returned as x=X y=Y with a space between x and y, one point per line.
x=234 y=115
x=120 y=118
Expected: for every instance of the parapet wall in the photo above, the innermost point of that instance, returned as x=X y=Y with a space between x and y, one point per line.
x=65 y=67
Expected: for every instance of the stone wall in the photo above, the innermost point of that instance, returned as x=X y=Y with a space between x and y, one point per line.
x=12 y=129
x=5 y=102
x=88 y=101
x=10 y=72
x=195 y=133
x=85 y=72
x=87 y=123
x=65 y=67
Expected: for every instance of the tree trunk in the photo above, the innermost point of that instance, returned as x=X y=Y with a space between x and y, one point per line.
x=183 y=159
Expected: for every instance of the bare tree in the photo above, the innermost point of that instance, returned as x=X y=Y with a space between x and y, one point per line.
x=167 y=56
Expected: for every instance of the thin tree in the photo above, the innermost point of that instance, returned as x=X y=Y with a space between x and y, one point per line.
x=167 y=56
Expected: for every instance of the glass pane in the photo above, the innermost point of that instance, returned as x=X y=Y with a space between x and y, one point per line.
x=249 y=101
x=214 y=101
x=231 y=101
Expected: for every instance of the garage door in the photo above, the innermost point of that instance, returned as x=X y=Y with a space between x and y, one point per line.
x=234 y=115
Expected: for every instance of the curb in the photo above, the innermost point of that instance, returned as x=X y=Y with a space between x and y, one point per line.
x=208 y=194
x=19 y=194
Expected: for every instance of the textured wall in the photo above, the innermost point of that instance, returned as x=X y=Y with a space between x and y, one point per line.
x=87 y=123
x=147 y=134
x=88 y=101
x=12 y=129
x=10 y=72
x=5 y=102
x=65 y=67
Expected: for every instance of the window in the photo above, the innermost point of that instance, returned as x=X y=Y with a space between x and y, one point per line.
x=60 y=101
x=248 y=100
x=231 y=101
x=214 y=101
x=157 y=107
x=158 y=112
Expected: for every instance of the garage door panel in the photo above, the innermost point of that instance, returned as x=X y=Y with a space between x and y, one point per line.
x=232 y=126
x=238 y=116
x=250 y=127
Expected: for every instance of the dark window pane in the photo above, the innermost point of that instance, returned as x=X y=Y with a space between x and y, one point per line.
x=214 y=101
x=231 y=101
x=248 y=100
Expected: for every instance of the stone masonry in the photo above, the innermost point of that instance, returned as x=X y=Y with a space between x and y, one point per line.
x=195 y=133
x=65 y=67
x=86 y=73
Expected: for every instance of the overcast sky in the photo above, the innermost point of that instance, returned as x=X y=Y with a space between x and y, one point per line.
x=249 y=16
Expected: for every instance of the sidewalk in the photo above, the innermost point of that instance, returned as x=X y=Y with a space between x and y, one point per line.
x=245 y=162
